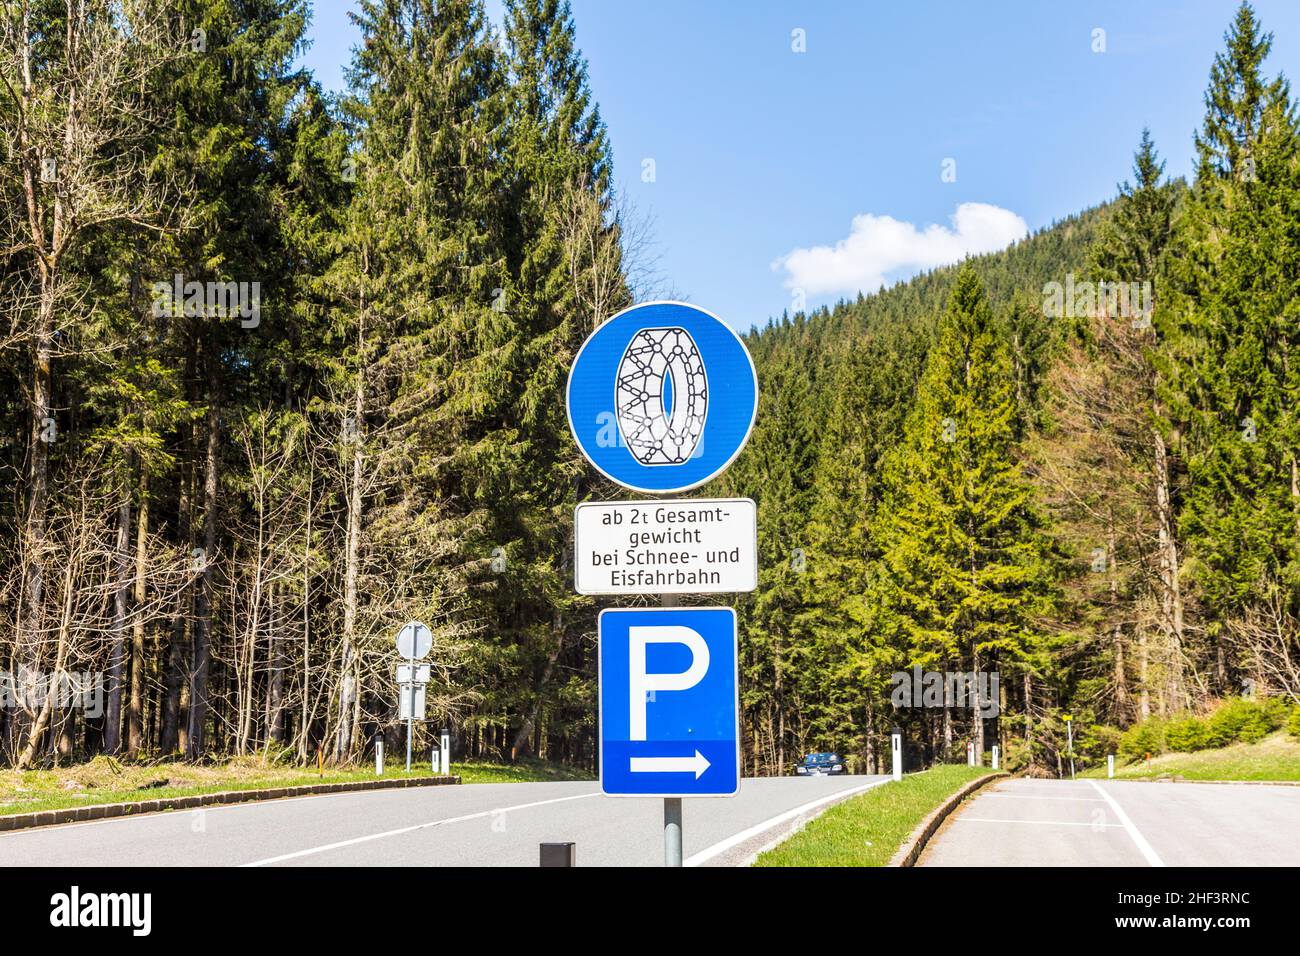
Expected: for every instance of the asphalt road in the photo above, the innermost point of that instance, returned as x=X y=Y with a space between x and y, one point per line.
x=1121 y=823
x=467 y=825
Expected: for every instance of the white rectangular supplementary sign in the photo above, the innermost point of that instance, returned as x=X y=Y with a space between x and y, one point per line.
x=682 y=546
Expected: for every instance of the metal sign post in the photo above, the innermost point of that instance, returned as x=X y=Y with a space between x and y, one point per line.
x=413 y=642
x=410 y=714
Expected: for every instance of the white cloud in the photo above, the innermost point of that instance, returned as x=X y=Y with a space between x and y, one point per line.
x=880 y=249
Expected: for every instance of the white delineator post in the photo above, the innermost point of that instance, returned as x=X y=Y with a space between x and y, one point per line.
x=446 y=751
x=970 y=753
x=1069 y=730
x=379 y=756
x=996 y=754
x=896 y=753
x=1110 y=766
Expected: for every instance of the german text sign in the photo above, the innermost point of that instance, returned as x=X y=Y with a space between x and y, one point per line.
x=685 y=546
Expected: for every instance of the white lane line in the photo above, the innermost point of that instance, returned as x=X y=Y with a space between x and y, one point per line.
x=1049 y=823
x=1139 y=840
x=411 y=829
x=1025 y=796
x=735 y=840
x=177 y=813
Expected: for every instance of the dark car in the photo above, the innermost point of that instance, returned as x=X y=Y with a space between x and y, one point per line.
x=818 y=765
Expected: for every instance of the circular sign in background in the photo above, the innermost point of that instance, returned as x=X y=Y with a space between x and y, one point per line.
x=672 y=382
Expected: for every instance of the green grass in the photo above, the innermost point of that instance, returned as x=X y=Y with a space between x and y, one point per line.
x=1276 y=757
x=868 y=829
x=107 y=781
x=526 y=770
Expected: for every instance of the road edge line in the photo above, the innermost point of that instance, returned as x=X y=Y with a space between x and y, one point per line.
x=736 y=839
x=107 y=811
x=1145 y=848
x=366 y=838
x=910 y=852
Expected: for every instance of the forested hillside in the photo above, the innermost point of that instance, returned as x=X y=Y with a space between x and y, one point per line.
x=1072 y=463
x=280 y=371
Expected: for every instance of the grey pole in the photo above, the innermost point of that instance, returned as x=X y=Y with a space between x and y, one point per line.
x=672 y=831
x=410 y=716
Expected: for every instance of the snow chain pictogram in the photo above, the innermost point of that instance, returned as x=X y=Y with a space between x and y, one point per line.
x=653 y=434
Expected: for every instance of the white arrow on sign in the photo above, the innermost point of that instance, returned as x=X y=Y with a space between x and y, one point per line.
x=698 y=764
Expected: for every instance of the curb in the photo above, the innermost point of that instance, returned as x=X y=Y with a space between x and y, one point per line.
x=910 y=851
x=104 y=811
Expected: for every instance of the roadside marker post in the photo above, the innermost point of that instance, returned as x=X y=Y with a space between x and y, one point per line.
x=1069 y=731
x=661 y=398
x=970 y=753
x=896 y=753
x=558 y=854
x=379 y=755
x=445 y=750
x=996 y=753
x=1110 y=766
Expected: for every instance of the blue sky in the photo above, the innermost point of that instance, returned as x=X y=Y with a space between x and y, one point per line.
x=783 y=176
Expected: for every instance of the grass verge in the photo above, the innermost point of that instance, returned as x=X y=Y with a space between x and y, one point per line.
x=868 y=829
x=522 y=771
x=1276 y=757
x=107 y=781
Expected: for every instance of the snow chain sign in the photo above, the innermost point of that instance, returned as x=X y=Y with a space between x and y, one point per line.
x=688 y=546
x=662 y=397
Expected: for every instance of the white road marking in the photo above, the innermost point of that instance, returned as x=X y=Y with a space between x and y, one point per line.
x=1139 y=840
x=1050 y=823
x=1026 y=796
x=744 y=835
x=411 y=829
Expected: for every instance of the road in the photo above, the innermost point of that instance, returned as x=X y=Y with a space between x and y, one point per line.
x=1118 y=823
x=467 y=825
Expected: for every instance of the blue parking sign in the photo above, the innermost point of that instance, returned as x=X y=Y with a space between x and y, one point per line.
x=669 y=702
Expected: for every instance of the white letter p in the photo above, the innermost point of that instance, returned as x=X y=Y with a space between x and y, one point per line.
x=643 y=683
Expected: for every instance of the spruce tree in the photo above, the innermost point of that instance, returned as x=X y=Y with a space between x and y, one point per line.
x=1231 y=328
x=965 y=565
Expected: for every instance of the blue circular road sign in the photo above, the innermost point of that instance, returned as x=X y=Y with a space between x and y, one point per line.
x=662 y=397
